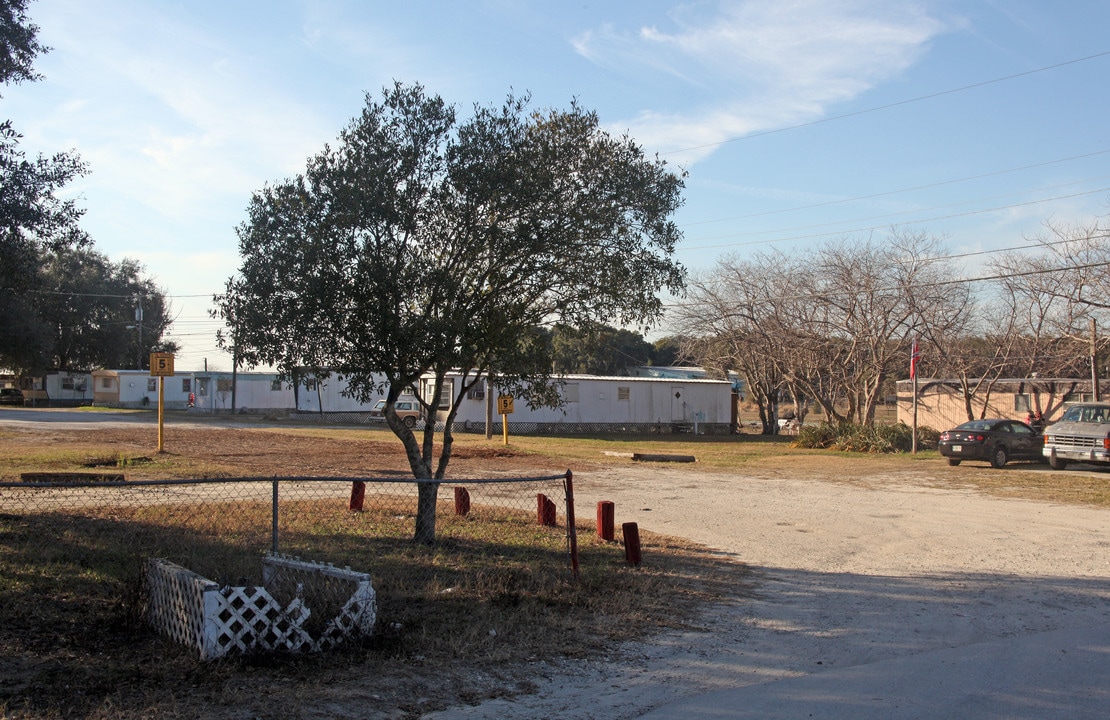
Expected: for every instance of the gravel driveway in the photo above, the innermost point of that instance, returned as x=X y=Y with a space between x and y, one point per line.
x=847 y=576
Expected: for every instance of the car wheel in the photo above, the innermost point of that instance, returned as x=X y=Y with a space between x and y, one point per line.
x=999 y=456
x=953 y=461
x=410 y=422
x=1056 y=463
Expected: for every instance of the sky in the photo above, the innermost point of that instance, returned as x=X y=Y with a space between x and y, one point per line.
x=799 y=122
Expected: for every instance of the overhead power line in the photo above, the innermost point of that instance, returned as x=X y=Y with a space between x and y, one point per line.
x=887 y=193
x=934 y=284
x=888 y=106
x=869 y=228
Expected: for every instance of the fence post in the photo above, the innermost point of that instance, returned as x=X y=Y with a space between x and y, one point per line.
x=545 y=510
x=358 y=495
x=462 y=501
x=606 y=512
x=632 y=543
x=274 y=519
x=572 y=531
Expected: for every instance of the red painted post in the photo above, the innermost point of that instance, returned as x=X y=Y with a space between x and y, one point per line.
x=632 y=553
x=462 y=501
x=358 y=495
x=606 y=511
x=545 y=510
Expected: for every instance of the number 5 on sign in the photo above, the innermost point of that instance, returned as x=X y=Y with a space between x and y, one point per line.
x=161 y=364
x=504 y=409
x=161 y=367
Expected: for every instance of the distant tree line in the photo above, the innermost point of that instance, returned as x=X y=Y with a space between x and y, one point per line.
x=834 y=325
x=599 y=349
x=62 y=304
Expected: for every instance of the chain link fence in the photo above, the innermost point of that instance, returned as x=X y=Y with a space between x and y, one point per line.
x=533 y=428
x=81 y=547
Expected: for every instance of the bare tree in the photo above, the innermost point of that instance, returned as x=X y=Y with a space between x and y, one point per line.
x=726 y=325
x=831 y=325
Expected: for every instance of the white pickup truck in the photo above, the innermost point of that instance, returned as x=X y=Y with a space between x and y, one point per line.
x=1081 y=435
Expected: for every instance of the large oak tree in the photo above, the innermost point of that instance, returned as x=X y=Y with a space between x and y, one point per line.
x=423 y=244
x=33 y=219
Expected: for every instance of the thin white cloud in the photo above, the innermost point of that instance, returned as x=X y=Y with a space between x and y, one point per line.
x=178 y=118
x=753 y=65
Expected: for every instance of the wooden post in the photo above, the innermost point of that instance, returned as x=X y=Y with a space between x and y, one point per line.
x=545 y=510
x=358 y=495
x=462 y=501
x=606 y=511
x=632 y=554
x=1094 y=363
x=161 y=412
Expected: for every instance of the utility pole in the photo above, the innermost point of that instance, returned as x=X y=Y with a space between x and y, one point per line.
x=139 y=325
x=1094 y=363
x=235 y=360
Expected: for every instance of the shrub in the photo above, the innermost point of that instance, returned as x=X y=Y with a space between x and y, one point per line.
x=853 y=437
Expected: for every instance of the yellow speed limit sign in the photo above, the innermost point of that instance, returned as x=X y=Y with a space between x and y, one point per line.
x=504 y=404
x=161 y=364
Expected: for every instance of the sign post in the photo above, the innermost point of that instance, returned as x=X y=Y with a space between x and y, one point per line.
x=161 y=367
x=504 y=409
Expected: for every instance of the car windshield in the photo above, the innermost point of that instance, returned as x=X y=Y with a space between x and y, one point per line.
x=978 y=425
x=1087 y=413
x=379 y=405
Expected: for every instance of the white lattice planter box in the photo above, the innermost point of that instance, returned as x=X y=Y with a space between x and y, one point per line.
x=302 y=607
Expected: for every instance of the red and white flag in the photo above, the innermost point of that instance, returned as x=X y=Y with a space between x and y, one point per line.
x=915 y=355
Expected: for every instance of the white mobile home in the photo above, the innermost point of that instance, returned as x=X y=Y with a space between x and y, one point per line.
x=58 y=388
x=596 y=403
x=241 y=392
x=326 y=395
x=592 y=403
x=136 y=388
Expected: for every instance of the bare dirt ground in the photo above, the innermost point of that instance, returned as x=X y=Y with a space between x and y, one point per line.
x=855 y=562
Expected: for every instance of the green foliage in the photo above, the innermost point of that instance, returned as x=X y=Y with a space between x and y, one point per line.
x=598 y=349
x=666 y=351
x=90 y=307
x=853 y=437
x=56 y=296
x=19 y=45
x=424 y=245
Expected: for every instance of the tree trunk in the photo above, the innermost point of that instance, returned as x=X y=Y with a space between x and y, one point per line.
x=427 y=491
x=426 y=498
x=770 y=416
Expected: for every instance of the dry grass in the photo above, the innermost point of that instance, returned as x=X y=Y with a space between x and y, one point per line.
x=458 y=638
x=464 y=608
x=469 y=618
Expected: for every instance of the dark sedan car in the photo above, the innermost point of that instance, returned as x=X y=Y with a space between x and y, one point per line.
x=995 y=441
x=11 y=396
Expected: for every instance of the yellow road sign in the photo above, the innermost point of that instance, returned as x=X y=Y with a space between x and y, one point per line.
x=504 y=404
x=161 y=364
